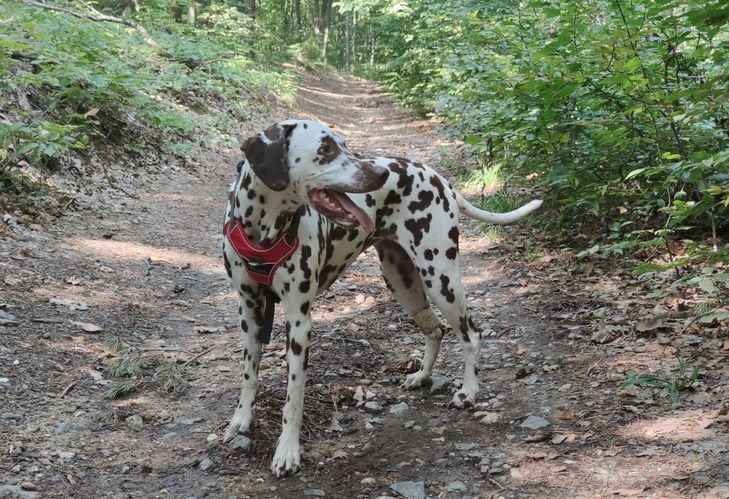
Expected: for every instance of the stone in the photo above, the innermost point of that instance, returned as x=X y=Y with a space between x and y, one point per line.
x=410 y=490
x=373 y=407
x=63 y=427
x=206 y=464
x=534 y=423
x=490 y=418
x=439 y=386
x=456 y=486
x=400 y=408
x=315 y=493
x=240 y=442
x=134 y=423
x=368 y=482
x=602 y=337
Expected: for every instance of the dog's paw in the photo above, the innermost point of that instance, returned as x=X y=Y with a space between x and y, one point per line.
x=287 y=459
x=463 y=399
x=415 y=381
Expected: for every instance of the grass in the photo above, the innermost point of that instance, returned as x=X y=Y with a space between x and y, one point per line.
x=129 y=366
x=674 y=386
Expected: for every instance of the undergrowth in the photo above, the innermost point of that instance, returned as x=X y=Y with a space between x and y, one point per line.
x=69 y=85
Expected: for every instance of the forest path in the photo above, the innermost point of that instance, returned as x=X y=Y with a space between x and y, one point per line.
x=549 y=420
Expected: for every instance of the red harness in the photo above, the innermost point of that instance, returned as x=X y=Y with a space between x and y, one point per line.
x=261 y=263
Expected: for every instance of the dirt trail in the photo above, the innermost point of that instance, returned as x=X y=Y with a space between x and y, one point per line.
x=549 y=422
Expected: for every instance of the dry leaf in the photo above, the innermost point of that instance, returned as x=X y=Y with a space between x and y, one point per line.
x=567 y=414
x=520 y=349
x=91 y=112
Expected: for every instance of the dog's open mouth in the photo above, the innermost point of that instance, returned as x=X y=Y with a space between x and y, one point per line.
x=338 y=207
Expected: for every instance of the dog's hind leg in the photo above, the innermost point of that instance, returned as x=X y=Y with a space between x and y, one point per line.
x=250 y=314
x=404 y=281
x=444 y=287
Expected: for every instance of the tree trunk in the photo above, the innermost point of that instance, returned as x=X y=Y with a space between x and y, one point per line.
x=327 y=20
x=252 y=8
x=316 y=19
x=298 y=16
x=347 y=55
x=191 y=14
x=373 y=44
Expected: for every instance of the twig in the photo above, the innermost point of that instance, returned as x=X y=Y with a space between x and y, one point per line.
x=497 y=484
x=98 y=16
x=67 y=389
x=204 y=352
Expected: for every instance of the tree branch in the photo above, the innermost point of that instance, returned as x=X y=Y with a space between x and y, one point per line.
x=98 y=16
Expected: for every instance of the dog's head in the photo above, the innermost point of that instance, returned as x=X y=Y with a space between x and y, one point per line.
x=309 y=160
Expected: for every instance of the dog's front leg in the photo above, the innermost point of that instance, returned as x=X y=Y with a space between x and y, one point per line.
x=287 y=458
x=250 y=309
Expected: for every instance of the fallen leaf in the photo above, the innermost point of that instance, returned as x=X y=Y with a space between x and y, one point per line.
x=567 y=414
x=520 y=349
x=91 y=112
x=340 y=454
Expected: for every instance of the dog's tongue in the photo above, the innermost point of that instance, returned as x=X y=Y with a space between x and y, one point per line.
x=364 y=220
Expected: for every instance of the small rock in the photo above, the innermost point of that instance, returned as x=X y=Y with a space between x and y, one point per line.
x=465 y=446
x=368 y=482
x=206 y=464
x=409 y=424
x=439 y=386
x=240 y=442
x=315 y=493
x=212 y=438
x=373 y=407
x=410 y=490
x=28 y=486
x=490 y=418
x=63 y=427
x=11 y=416
x=456 y=486
x=399 y=408
x=602 y=337
x=67 y=455
x=534 y=423
x=134 y=423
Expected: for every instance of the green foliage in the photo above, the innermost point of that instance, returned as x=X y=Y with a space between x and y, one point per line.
x=72 y=83
x=683 y=381
x=618 y=110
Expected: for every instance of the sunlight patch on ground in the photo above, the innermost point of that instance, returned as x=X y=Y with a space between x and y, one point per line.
x=134 y=251
x=682 y=427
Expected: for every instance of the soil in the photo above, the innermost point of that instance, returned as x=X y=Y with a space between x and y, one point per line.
x=144 y=276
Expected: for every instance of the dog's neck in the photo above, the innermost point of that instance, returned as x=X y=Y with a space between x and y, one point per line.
x=264 y=212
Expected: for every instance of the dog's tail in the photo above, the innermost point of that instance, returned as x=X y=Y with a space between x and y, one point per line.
x=496 y=218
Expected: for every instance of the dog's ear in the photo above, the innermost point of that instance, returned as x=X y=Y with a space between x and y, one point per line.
x=267 y=156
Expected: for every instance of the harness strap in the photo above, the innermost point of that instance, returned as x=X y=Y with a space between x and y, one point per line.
x=262 y=263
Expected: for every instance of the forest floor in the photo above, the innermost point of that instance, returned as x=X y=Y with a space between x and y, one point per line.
x=551 y=420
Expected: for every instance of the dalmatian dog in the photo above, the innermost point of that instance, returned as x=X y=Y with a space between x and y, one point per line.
x=299 y=175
